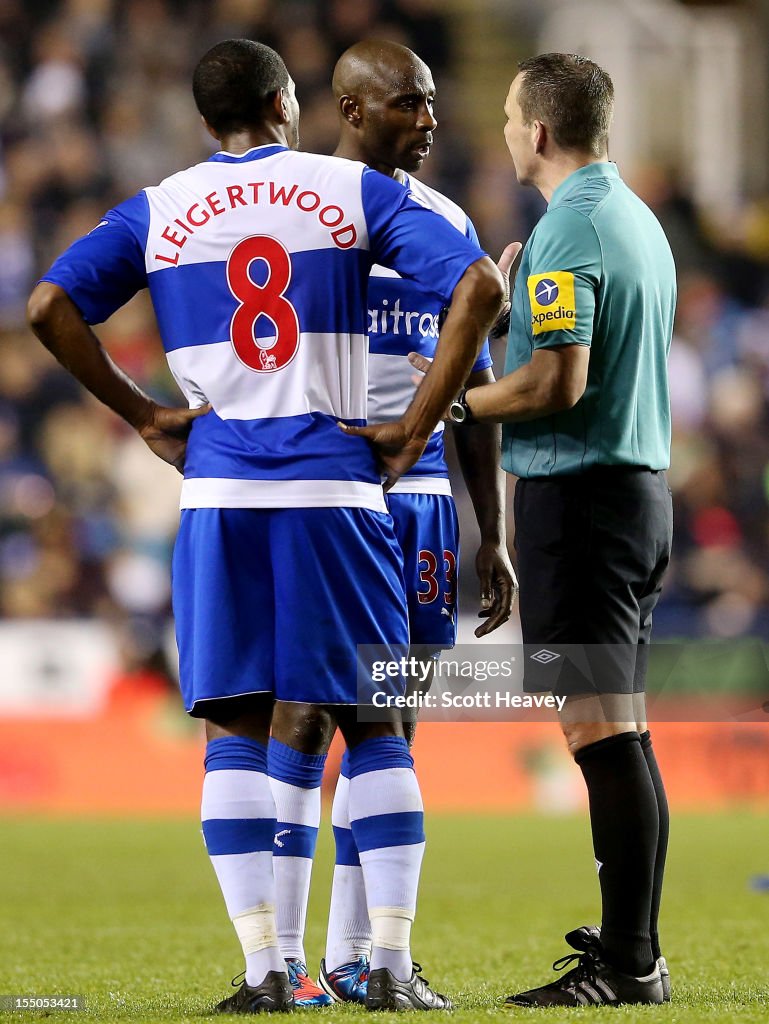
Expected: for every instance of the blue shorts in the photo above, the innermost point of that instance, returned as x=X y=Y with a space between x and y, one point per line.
x=278 y=600
x=428 y=532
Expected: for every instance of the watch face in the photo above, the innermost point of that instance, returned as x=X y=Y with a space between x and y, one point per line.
x=457 y=412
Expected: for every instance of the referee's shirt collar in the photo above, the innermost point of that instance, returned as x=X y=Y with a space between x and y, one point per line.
x=603 y=169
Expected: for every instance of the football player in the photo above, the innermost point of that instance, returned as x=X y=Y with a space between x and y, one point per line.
x=385 y=96
x=257 y=262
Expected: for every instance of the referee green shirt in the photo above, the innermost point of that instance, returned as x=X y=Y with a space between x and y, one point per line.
x=596 y=271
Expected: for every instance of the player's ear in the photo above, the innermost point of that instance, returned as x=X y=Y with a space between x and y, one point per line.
x=209 y=129
x=282 y=107
x=350 y=108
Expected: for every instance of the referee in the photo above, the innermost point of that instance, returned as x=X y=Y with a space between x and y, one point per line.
x=587 y=432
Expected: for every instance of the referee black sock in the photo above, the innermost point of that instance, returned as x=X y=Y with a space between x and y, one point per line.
x=625 y=824
x=662 y=841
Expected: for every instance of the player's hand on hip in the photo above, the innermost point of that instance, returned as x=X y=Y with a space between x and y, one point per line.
x=167 y=431
x=396 y=451
x=505 y=263
x=498 y=586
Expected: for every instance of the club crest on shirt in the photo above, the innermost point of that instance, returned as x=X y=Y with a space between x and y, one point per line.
x=553 y=307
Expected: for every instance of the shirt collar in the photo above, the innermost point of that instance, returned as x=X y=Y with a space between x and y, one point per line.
x=605 y=169
x=257 y=153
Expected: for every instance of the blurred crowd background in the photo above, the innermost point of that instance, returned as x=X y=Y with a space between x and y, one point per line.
x=95 y=103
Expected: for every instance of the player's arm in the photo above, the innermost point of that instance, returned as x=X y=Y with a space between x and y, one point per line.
x=475 y=303
x=478 y=447
x=93 y=278
x=59 y=324
x=422 y=245
x=484 y=360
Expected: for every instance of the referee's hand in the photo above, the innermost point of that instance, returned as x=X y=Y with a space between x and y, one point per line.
x=501 y=325
x=498 y=586
x=423 y=364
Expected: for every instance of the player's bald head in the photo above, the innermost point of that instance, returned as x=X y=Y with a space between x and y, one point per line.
x=384 y=95
x=378 y=66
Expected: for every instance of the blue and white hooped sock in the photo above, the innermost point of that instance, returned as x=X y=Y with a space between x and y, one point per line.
x=387 y=821
x=349 y=929
x=238 y=814
x=295 y=779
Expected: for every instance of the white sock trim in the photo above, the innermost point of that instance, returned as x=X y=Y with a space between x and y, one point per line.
x=391 y=927
x=256 y=928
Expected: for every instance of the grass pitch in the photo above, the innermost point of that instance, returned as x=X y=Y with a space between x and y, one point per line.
x=128 y=915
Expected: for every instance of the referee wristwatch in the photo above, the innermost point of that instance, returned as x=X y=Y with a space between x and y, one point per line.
x=459 y=410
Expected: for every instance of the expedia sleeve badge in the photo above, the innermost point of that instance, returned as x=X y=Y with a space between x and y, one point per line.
x=552 y=302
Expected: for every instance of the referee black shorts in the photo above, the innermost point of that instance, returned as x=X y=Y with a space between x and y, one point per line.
x=592 y=551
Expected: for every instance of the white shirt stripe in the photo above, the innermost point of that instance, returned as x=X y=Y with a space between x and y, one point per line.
x=422 y=485
x=222 y=492
x=322 y=377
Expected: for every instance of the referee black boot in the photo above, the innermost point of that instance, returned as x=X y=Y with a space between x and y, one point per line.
x=274 y=995
x=592 y=982
x=581 y=938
